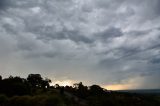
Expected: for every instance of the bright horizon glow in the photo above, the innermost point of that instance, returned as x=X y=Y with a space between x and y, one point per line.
x=108 y=87
x=64 y=82
x=117 y=87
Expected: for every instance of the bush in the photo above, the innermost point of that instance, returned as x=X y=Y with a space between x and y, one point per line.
x=38 y=100
x=3 y=99
x=20 y=101
x=53 y=101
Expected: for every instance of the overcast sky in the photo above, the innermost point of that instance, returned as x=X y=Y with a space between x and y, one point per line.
x=113 y=43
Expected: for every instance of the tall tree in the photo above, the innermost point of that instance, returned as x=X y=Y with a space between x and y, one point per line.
x=45 y=83
x=35 y=80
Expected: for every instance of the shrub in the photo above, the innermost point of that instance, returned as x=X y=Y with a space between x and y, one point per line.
x=38 y=100
x=3 y=99
x=53 y=101
x=19 y=101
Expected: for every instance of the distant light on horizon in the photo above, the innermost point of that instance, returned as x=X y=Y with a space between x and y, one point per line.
x=117 y=87
x=63 y=82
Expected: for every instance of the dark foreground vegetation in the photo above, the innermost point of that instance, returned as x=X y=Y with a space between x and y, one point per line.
x=36 y=91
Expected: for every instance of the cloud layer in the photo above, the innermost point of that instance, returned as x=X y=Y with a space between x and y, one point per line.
x=95 y=41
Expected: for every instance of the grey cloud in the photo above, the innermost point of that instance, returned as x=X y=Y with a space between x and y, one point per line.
x=74 y=35
x=155 y=60
x=49 y=33
x=110 y=64
x=51 y=54
x=138 y=33
x=9 y=29
x=26 y=44
x=109 y=39
x=127 y=69
x=155 y=7
x=146 y=9
x=109 y=33
x=4 y=4
x=108 y=4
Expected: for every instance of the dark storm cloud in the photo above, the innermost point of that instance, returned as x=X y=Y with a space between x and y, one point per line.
x=107 y=4
x=46 y=33
x=70 y=34
x=9 y=29
x=115 y=41
x=155 y=60
x=109 y=33
x=156 y=7
x=138 y=33
x=4 y=4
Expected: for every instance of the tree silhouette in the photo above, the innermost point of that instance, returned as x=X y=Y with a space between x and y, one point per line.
x=82 y=91
x=62 y=90
x=14 y=86
x=35 y=80
x=45 y=83
x=57 y=86
x=0 y=77
x=96 y=90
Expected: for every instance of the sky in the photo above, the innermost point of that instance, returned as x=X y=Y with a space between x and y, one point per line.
x=112 y=43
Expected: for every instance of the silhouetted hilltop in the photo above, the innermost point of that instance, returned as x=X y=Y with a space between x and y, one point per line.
x=36 y=91
x=143 y=91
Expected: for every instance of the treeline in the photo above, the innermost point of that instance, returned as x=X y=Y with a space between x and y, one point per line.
x=82 y=91
x=12 y=86
x=36 y=91
x=18 y=86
